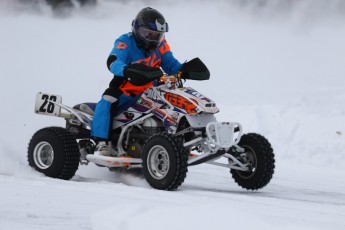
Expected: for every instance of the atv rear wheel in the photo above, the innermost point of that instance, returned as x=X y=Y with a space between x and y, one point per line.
x=260 y=158
x=54 y=152
x=164 y=161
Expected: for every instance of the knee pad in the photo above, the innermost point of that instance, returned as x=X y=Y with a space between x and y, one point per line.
x=110 y=98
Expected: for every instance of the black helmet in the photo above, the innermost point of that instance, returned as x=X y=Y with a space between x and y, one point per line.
x=148 y=28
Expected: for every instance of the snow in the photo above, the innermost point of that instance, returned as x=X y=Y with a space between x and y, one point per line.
x=279 y=73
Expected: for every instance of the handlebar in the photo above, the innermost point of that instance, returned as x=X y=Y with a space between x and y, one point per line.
x=166 y=78
x=171 y=81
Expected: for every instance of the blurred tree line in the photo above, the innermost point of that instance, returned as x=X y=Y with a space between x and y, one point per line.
x=268 y=7
x=57 y=4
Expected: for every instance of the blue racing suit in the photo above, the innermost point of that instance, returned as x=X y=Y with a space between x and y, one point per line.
x=124 y=53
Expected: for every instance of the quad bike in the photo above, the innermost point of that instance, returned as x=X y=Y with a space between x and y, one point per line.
x=163 y=131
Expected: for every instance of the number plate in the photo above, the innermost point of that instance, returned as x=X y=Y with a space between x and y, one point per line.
x=44 y=104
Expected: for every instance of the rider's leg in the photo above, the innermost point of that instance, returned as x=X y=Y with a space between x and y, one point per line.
x=101 y=123
x=103 y=116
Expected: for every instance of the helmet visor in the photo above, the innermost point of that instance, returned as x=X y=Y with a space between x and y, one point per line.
x=151 y=35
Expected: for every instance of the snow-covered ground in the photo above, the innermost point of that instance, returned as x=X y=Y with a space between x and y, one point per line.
x=278 y=75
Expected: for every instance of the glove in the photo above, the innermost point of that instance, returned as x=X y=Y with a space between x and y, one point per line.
x=140 y=74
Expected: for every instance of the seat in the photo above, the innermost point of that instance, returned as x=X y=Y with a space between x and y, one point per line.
x=88 y=107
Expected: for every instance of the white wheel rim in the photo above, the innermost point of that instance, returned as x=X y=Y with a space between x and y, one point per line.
x=43 y=155
x=158 y=162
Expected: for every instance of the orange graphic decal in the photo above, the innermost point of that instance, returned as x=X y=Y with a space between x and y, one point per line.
x=155 y=63
x=151 y=61
x=164 y=48
x=121 y=46
x=144 y=61
x=180 y=102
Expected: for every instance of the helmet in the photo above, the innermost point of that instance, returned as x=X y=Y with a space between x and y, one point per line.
x=148 y=28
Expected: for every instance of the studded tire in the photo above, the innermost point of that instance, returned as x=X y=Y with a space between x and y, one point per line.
x=54 y=152
x=164 y=161
x=261 y=156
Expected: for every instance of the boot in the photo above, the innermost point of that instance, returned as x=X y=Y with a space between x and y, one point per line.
x=102 y=149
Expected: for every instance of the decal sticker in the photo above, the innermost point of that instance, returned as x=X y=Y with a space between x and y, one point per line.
x=152 y=94
x=159 y=113
x=196 y=94
x=128 y=115
x=175 y=116
x=180 y=102
x=121 y=46
x=145 y=102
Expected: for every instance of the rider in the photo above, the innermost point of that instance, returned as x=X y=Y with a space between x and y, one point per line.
x=136 y=56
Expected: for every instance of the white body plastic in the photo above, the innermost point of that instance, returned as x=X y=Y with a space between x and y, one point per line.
x=162 y=106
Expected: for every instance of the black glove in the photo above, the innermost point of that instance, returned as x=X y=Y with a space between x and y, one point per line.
x=194 y=69
x=140 y=74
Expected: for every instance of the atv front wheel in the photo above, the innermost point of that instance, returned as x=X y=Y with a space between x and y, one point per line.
x=164 y=161
x=259 y=157
x=54 y=152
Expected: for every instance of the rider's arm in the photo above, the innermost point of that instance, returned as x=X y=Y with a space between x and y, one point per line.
x=117 y=59
x=169 y=64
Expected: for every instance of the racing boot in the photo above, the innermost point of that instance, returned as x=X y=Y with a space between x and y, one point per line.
x=102 y=149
